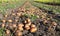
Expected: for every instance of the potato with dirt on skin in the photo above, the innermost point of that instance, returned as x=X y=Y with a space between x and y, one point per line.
x=54 y=23
x=7 y=32
x=33 y=29
x=25 y=21
x=18 y=33
x=28 y=20
x=3 y=21
x=14 y=25
x=18 y=14
x=13 y=14
x=29 y=24
x=32 y=25
x=27 y=27
x=20 y=28
x=6 y=15
x=10 y=20
x=3 y=25
x=20 y=25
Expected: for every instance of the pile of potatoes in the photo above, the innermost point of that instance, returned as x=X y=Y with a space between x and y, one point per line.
x=16 y=23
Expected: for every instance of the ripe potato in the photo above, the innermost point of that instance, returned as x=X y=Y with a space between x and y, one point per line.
x=7 y=31
x=33 y=29
x=25 y=21
x=27 y=27
x=3 y=25
x=20 y=25
x=6 y=15
x=13 y=14
x=18 y=33
x=28 y=20
x=3 y=21
x=20 y=28
x=32 y=26
x=18 y=14
x=14 y=25
x=54 y=23
x=9 y=20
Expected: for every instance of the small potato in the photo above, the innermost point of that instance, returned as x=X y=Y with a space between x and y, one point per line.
x=25 y=21
x=9 y=20
x=54 y=23
x=27 y=27
x=14 y=25
x=20 y=25
x=3 y=21
x=32 y=26
x=18 y=14
x=28 y=20
x=7 y=31
x=33 y=30
x=20 y=28
x=6 y=15
x=13 y=14
x=29 y=23
x=18 y=33
x=2 y=25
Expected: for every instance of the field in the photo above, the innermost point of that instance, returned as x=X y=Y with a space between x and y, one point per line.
x=10 y=4
x=55 y=8
x=42 y=15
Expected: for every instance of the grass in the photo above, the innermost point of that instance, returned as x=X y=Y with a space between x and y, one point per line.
x=9 y=4
x=31 y=16
x=55 y=9
x=2 y=31
x=49 y=1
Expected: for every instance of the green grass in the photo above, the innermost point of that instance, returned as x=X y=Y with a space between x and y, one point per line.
x=49 y=1
x=2 y=31
x=55 y=9
x=31 y=16
x=11 y=4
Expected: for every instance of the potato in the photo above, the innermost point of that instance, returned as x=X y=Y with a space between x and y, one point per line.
x=27 y=27
x=10 y=20
x=33 y=29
